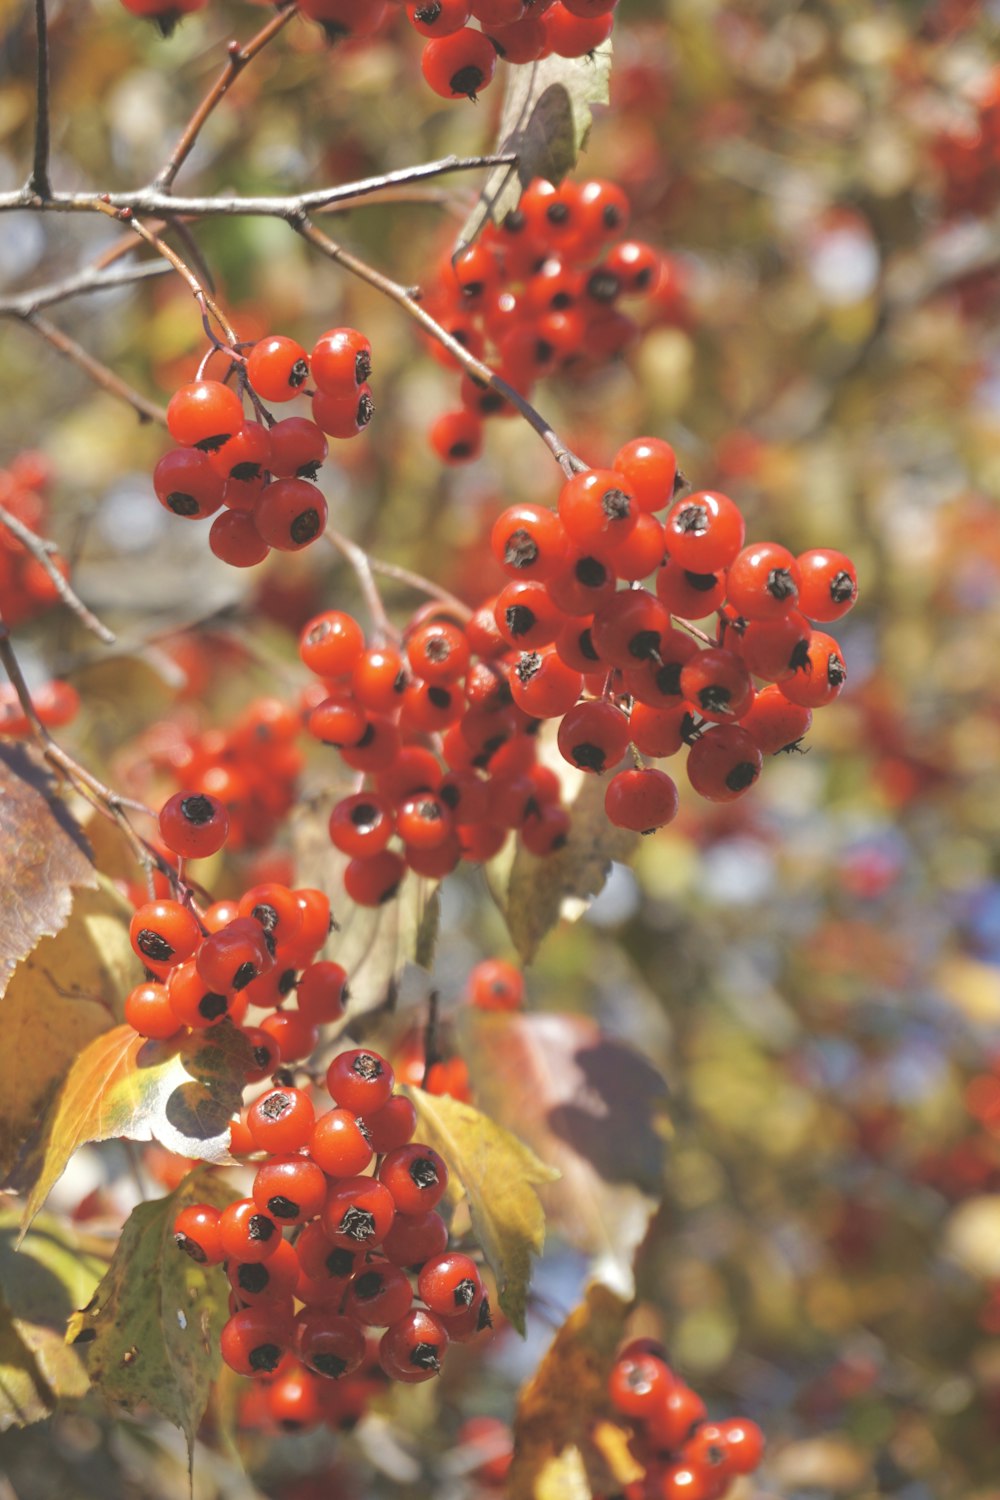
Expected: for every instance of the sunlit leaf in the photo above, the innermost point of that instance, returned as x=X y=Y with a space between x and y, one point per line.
x=546 y=120
x=499 y=1175
x=151 y=1331
x=558 y=1407
x=180 y=1093
x=44 y=855
x=589 y=1105
x=68 y=991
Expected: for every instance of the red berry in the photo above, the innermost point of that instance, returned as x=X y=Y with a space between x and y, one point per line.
x=593 y=736
x=703 y=531
x=459 y=65
x=281 y=1120
x=204 y=415
x=197 y=1233
x=412 y=1349
x=415 y=1176
x=277 y=368
x=723 y=763
x=641 y=800
x=193 y=824
x=341 y=362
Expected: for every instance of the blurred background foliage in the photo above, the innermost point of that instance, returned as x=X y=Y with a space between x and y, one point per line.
x=814 y=969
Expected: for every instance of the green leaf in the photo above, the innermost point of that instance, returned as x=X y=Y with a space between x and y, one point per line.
x=546 y=120
x=41 y=1284
x=499 y=1175
x=68 y=991
x=151 y=1331
x=44 y=855
x=180 y=1093
x=540 y=891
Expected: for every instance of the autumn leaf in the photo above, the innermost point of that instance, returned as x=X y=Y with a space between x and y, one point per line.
x=540 y=891
x=44 y=856
x=150 y=1333
x=591 y=1106
x=69 y=990
x=180 y=1093
x=555 y=1453
x=546 y=120
x=40 y=1285
x=499 y=1175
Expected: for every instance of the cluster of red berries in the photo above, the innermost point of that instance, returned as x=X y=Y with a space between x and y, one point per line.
x=260 y=474
x=538 y=293
x=360 y=1198
x=383 y=708
x=685 y=1456
x=25 y=587
x=458 y=60
x=966 y=156
x=611 y=663
x=251 y=767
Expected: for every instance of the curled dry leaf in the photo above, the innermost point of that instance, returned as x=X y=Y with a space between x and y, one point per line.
x=589 y=1105
x=150 y=1333
x=180 y=1093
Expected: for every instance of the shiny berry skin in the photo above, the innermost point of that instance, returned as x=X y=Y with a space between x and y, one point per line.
x=593 y=736
x=253 y=1341
x=314 y=924
x=687 y=1481
x=630 y=628
x=638 y=1384
x=717 y=683
x=298 y=448
x=674 y=1417
x=362 y=824
x=762 y=582
x=292 y=1189
x=416 y=1177
x=597 y=506
x=275 y=908
x=243 y=461
x=277 y=368
x=828 y=584
x=247 y=1234
x=585 y=583
x=459 y=65
x=260 y=1282
x=704 y=531
x=774 y=649
x=437 y=17
x=339 y=1143
x=322 y=992
x=450 y=1284
x=412 y=1349
x=359 y=1213
x=744 y=1444
x=204 y=415
x=650 y=467
x=723 y=763
x=438 y=652
x=529 y=541
x=186 y=484
x=526 y=615
x=148 y=1011
x=331 y=644
x=374 y=881
x=693 y=596
x=360 y=1081
x=659 y=732
x=494 y=984
x=343 y=416
x=821 y=677
x=331 y=1345
x=773 y=722
x=378 y=1295
x=294 y=1035
x=543 y=686
x=290 y=514
x=194 y=1004
x=456 y=436
x=230 y=958
x=164 y=933
x=197 y=1233
x=341 y=362
x=568 y=35
x=391 y=1126
x=193 y=824
x=281 y=1120
x=415 y=1238
x=641 y=800
x=235 y=540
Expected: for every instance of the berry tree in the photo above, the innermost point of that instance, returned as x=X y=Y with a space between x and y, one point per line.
x=394 y=554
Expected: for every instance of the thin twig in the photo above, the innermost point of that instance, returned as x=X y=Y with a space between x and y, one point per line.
x=564 y=456
x=151 y=202
x=236 y=62
x=42 y=551
x=431 y=1053
x=81 y=283
x=38 y=183
x=148 y=411
x=361 y=564
x=199 y=291
x=421 y=584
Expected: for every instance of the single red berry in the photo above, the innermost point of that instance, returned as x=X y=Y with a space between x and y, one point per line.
x=246 y=1233
x=820 y=677
x=415 y=1238
x=331 y=1345
x=593 y=736
x=277 y=368
x=331 y=643
x=253 y=1341
x=762 y=582
x=359 y=1213
x=416 y=1177
x=322 y=992
x=723 y=763
x=164 y=933
x=378 y=1295
x=717 y=683
x=341 y=362
x=703 y=531
x=193 y=824
x=339 y=1143
x=459 y=65
x=360 y=1081
x=597 y=506
x=450 y=1284
x=298 y=448
x=412 y=1349
x=391 y=1126
x=235 y=540
x=197 y=1233
x=641 y=800
x=774 y=723
x=281 y=1120
x=290 y=514
x=292 y=1189
x=186 y=484
x=343 y=416
x=828 y=584
x=149 y=1012
x=204 y=415
x=494 y=984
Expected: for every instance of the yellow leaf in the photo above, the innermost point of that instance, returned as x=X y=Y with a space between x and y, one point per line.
x=499 y=1175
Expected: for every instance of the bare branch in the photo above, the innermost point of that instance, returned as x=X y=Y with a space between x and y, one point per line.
x=81 y=283
x=148 y=411
x=42 y=551
x=361 y=564
x=566 y=459
x=38 y=183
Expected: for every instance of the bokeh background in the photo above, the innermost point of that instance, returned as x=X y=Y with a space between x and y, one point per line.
x=815 y=969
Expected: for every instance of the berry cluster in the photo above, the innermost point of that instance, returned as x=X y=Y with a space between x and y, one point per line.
x=25 y=587
x=458 y=59
x=261 y=473
x=252 y=767
x=358 y=1236
x=538 y=293
x=685 y=1456
x=383 y=707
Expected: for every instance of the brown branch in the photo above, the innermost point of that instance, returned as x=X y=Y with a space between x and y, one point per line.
x=199 y=291
x=361 y=565
x=81 y=283
x=38 y=183
x=564 y=456
x=100 y=374
x=42 y=551
x=238 y=59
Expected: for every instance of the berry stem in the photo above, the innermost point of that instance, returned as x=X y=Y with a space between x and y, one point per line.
x=566 y=459
x=41 y=550
x=38 y=183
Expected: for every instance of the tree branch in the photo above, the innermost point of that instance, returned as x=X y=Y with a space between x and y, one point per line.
x=42 y=551
x=91 y=279
x=38 y=183
x=566 y=459
x=148 y=411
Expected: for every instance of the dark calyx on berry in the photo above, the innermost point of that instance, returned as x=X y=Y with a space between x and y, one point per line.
x=260 y=1227
x=842 y=588
x=198 y=809
x=190 y=1247
x=358 y=1224
x=154 y=947
x=282 y=1207
x=253 y=1277
x=212 y=1006
x=741 y=776
x=467 y=81
x=423 y=1172
x=615 y=505
x=266 y=1357
x=306 y=525
x=781 y=584
x=425 y=1357
x=520 y=549
x=590 y=757
x=366 y=1065
x=692 y=519
x=340 y=1263
x=182 y=504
